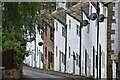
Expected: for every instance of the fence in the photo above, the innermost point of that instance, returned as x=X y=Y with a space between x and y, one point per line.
x=7 y=59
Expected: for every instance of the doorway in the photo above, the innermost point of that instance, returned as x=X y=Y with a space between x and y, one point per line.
x=74 y=62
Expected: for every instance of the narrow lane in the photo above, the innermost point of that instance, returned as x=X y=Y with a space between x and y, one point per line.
x=30 y=74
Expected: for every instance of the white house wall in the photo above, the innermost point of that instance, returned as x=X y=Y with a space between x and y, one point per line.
x=103 y=42
x=73 y=41
x=59 y=41
x=85 y=46
x=89 y=39
x=92 y=40
x=39 y=50
x=34 y=57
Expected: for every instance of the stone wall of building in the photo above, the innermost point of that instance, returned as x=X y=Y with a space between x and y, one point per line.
x=50 y=47
x=109 y=40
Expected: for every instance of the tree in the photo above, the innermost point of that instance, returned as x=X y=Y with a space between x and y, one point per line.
x=17 y=19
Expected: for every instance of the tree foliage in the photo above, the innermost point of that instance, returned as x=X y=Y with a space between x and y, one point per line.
x=17 y=19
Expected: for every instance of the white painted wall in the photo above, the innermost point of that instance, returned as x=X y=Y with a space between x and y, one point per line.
x=59 y=41
x=30 y=60
x=103 y=42
x=89 y=39
x=39 y=49
x=73 y=41
x=85 y=46
x=92 y=34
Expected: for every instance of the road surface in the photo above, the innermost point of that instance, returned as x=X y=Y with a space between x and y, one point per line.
x=31 y=74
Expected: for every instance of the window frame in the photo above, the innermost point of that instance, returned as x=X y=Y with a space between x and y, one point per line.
x=69 y=24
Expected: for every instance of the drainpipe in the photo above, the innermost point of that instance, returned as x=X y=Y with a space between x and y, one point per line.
x=80 y=49
x=98 y=11
x=80 y=41
x=65 y=47
x=35 y=48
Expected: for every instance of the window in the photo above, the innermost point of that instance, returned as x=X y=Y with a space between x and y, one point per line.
x=88 y=28
x=51 y=34
x=91 y=9
x=56 y=51
x=77 y=59
x=69 y=24
x=62 y=57
x=63 y=31
x=37 y=51
x=78 y=30
x=69 y=52
x=74 y=57
x=104 y=11
x=56 y=26
x=45 y=52
x=46 y=30
x=52 y=58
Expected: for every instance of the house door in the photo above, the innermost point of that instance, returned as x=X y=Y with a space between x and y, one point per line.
x=49 y=60
x=85 y=62
x=39 y=59
x=74 y=62
x=59 y=60
x=100 y=62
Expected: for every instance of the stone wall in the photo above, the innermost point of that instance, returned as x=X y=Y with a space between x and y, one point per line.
x=12 y=73
x=109 y=41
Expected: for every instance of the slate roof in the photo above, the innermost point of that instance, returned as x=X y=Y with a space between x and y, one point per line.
x=60 y=16
x=76 y=10
x=48 y=21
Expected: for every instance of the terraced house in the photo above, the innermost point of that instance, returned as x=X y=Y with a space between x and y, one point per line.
x=83 y=39
x=48 y=43
x=89 y=34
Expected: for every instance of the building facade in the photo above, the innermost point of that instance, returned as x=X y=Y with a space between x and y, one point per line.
x=35 y=58
x=59 y=41
x=48 y=49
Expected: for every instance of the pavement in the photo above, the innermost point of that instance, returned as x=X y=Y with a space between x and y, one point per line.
x=41 y=74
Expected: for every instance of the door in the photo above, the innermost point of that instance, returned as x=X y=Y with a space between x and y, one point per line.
x=93 y=61
x=59 y=60
x=85 y=62
x=49 y=59
x=39 y=59
x=74 y=62
x=100 y=61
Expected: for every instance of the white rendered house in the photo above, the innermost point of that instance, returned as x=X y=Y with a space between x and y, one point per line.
x=59 y=41
x=73 y=20
x=35 y=58
x=92 y=61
